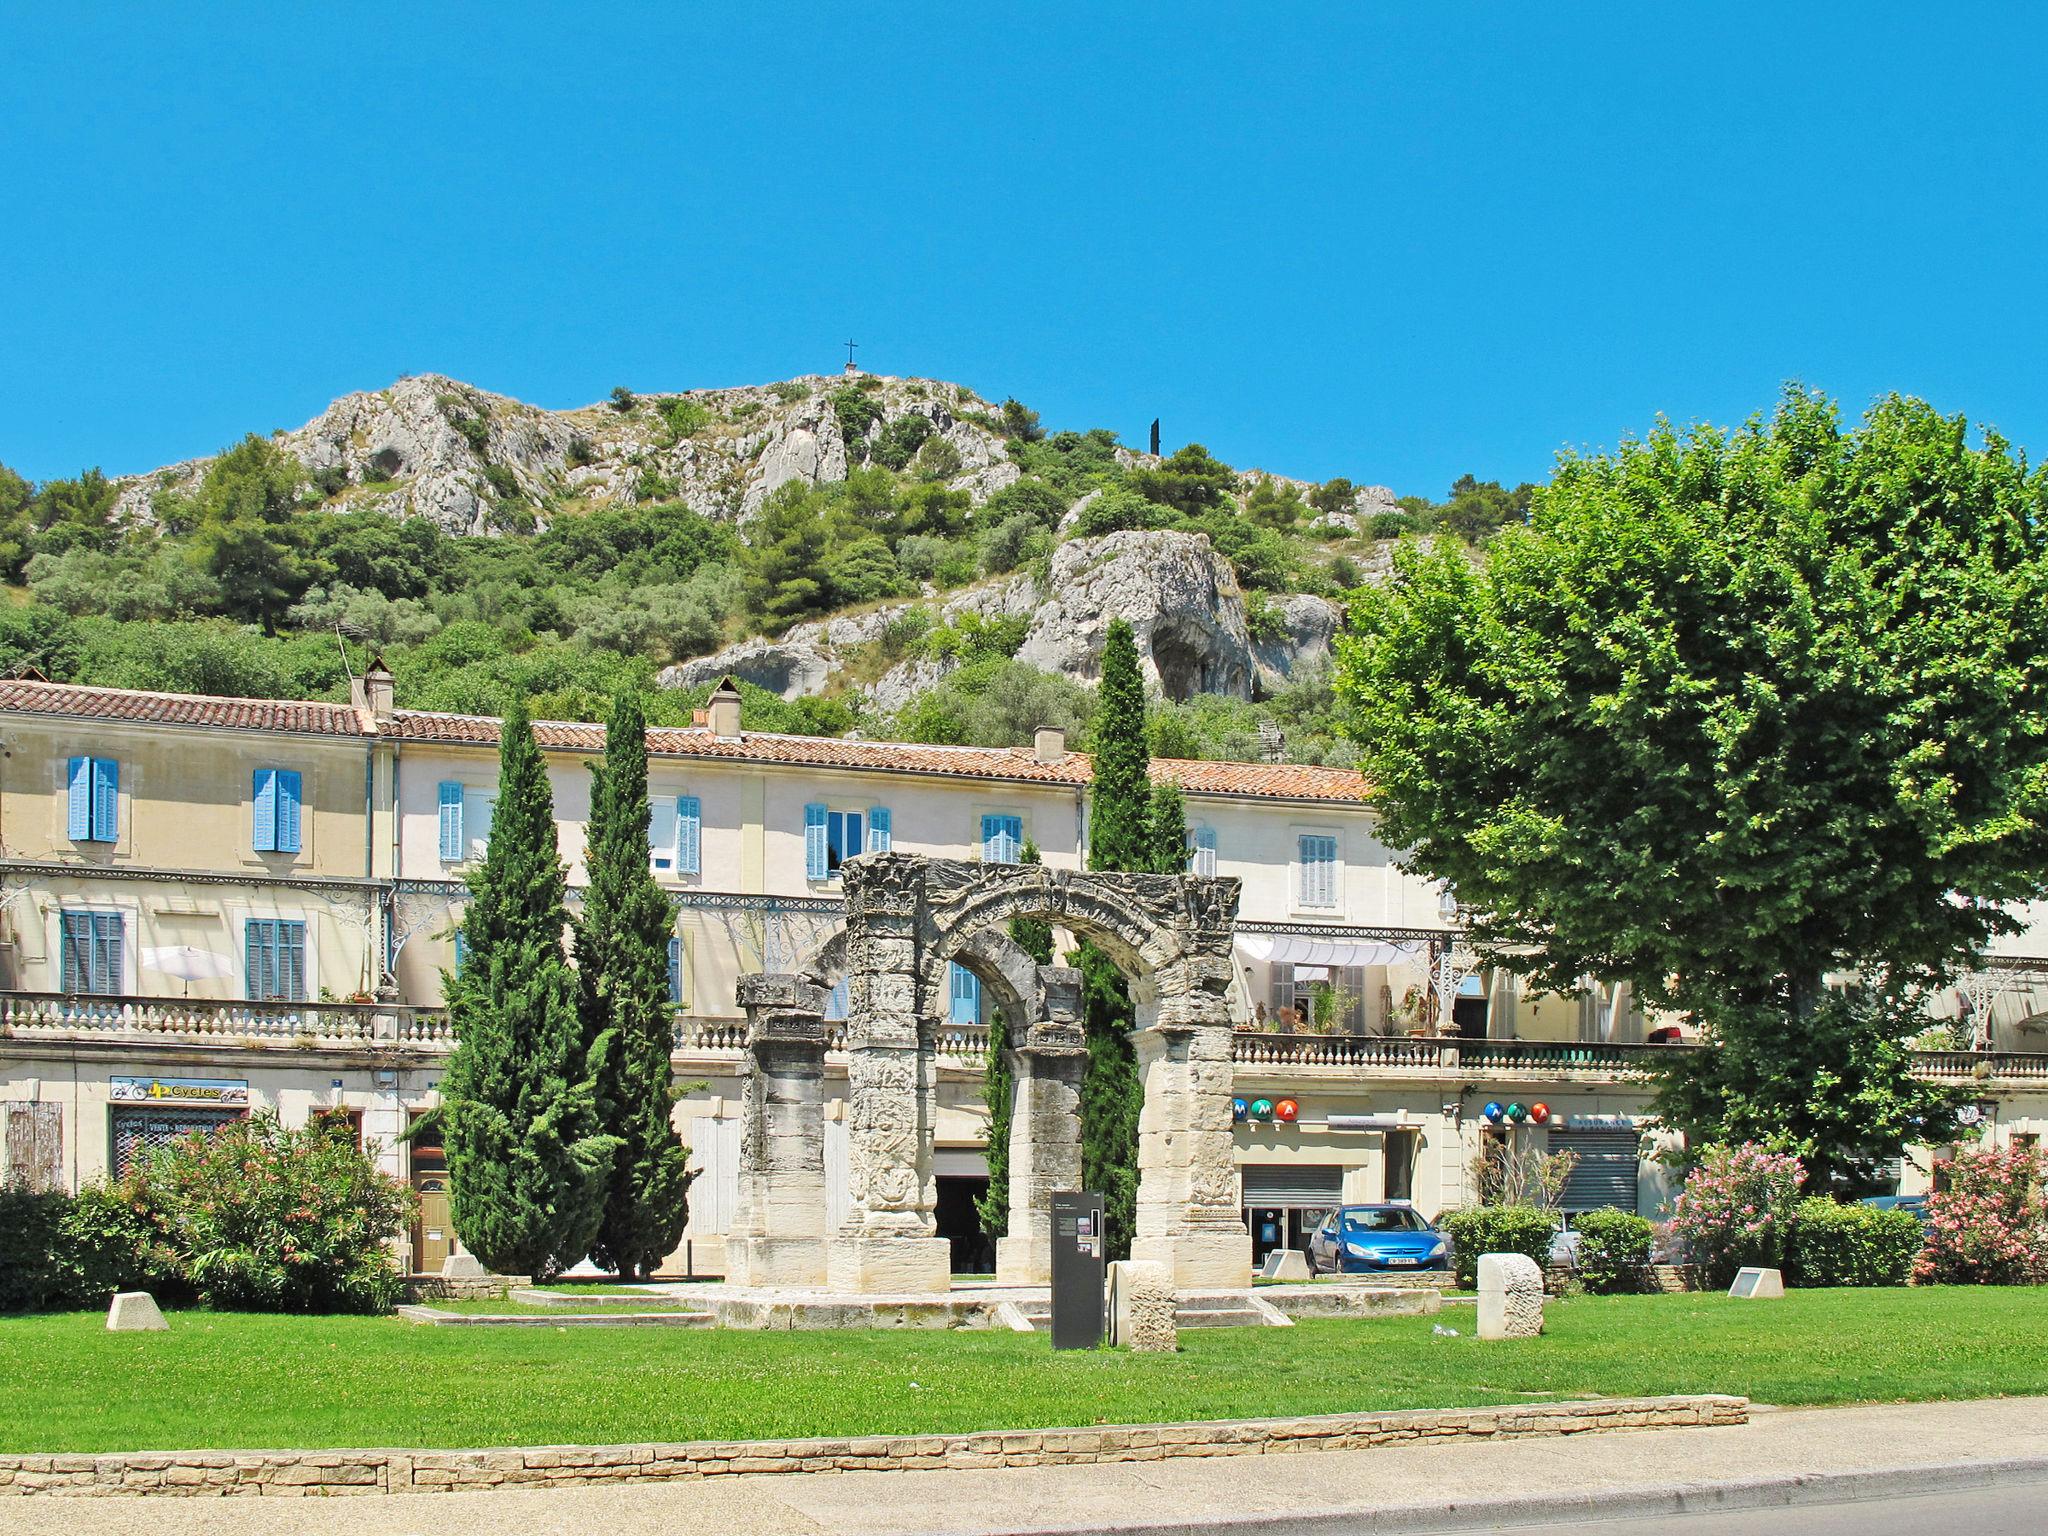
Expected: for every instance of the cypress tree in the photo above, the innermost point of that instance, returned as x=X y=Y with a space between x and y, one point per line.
x=1119 y=813
x=526 y=1159
x=999 y=1083
x=1166 y=831
x=623 y=997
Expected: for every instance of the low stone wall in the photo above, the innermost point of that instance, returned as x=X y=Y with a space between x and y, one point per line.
x=462 y=1287
x=248 y=1474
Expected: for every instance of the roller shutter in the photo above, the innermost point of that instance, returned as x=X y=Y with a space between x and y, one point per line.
x=1293 y=1184
x=1606 y=1171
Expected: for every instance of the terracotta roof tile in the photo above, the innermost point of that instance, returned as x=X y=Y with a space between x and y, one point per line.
x=297 y=715
x=1281 y=781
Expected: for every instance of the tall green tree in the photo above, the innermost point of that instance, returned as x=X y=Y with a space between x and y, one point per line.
x=1166 y=830
x=527 y=1162
x=999 y=1082
x=1119 y=810
x=248 y=536
x=623 y=996
x=1733 y=712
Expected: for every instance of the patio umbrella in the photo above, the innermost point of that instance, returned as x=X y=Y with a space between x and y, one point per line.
x=188 y=962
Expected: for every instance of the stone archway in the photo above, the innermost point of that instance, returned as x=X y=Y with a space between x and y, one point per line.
x=908 y=918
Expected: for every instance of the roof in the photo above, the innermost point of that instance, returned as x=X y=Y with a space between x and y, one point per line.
x=1270 y=781
x=1275 y=781
x=303 y=716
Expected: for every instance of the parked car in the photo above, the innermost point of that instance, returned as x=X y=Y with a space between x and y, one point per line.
x=1917 y=1204
x=1362 y=1239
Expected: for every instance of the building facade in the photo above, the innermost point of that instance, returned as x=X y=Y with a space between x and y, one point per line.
x=209 y=906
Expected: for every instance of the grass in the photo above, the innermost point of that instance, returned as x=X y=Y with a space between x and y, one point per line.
x=239 y=1381
x=493 y=1306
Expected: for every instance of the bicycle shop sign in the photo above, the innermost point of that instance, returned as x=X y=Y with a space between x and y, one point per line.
x=179 y=1090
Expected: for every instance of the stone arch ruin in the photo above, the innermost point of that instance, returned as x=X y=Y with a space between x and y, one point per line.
x=908 y=918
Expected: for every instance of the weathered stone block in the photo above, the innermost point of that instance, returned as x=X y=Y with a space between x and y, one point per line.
x=1758 y=1284
x=135 y=1312
x=1286 y=1264
x=1141 y=1306
x=1510 y=1296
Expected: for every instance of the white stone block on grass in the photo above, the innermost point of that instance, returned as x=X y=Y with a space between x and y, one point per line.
x=1510 y=1296
x=1757 y=1284
x=135 y=1312
x=463 y=1266
x=1285 y=1264
x=1141 y=1307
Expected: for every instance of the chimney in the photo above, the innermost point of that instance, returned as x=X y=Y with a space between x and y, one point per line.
x=379 y=690
x=725 y=710
x=1049 y=744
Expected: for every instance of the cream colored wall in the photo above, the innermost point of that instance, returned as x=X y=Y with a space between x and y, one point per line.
x=1257 y=841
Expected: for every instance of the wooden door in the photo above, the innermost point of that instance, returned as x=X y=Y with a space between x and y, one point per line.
x=433 y=1238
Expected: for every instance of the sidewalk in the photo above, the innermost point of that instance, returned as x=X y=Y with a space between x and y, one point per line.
x=1408 y=1487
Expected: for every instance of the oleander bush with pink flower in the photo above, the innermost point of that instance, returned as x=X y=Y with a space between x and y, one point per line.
x=1990 y=1225
x=1736 y=1210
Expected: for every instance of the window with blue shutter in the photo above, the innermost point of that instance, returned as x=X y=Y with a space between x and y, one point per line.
x=461 y=951
x=881 y=836
x=92 y=800
x=275 y=823
x=451 y=821
x=675 y=973
x=661 y=836
x=689 y=834
x=814 y=842
x=276 y=949
x=844 y=838
x=89 y=952
x=1002 y=839
x=838 y=1000
x=964 y=987
x=1203 y=861
x=478 y=807
x=1318 y=866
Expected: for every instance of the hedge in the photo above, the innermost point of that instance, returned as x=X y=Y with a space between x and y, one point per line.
x=1614 y=1251
x=1497 y=1229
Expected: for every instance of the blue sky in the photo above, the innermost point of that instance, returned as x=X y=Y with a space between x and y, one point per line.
x=1390 y=242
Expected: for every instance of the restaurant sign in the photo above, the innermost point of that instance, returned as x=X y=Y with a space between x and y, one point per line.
x=179 y=1090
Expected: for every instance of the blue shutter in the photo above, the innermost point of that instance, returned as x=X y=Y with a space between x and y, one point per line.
x=1205 y=850
x=989 y=825
x=1002 y=839
x=839 y=1000
x=261 y=956
x=814 y=842
x=291 y=962
x=263 y=789
x=461 y=951
x=451 y=821
x=661 y=835
x=287 y=810
x=78 y=776
x=109 y=929
x=74 y=946
x=881 y=837
x=689 y=827
x=106 y=800
x=675 y=973
x=965 y=1005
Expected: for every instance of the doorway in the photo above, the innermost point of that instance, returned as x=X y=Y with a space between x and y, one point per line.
x=433 y=1230
x=960 y=1225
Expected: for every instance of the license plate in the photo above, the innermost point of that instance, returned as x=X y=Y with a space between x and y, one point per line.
x=1396 y=1263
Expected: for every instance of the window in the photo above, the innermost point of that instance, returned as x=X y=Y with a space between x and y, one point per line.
x=1202 y=851
x=830 y=839
x=1316 y=882
x=275 y=792
x=93 y=806
x=674 y=834
x=89 y=948
x=964 y=988
x=838 y=1000
x=461 y=950
x=880 y=837
x=277 y=960
x=1314 y=996
x=1002 y=839
x=675 y=973
x=465 y=821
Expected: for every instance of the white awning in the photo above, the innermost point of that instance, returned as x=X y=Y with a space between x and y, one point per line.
x=1293 y=949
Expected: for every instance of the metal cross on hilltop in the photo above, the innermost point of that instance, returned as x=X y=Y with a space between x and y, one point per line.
x=849 y=355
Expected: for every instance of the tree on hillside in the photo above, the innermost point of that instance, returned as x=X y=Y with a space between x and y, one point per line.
x=1119 y=808
x=999 y=1083
x=527 y=1164
x=1734 y=712
x=789 y=540
x=622 y=941
x=247 y=534
x=17 y=522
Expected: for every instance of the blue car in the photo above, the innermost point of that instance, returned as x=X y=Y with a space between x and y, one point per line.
x=1917 y=1204
x=1365 y=1239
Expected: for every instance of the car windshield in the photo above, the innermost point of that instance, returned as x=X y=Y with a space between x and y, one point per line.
x=1393 y=1219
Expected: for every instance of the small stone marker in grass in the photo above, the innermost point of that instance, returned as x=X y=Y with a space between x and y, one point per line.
x=1510 y=1296
x=135 y=1312
x=1141 y=1307
x=1285 y=1264
x=1757 y=1284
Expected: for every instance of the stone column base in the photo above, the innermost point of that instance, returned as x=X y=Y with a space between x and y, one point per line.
x=879 y=1265
x=775 y=1261
x=1208 y=1259
x=1023 y=1260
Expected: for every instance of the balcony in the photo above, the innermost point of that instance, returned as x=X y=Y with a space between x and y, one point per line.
x=426 y=1032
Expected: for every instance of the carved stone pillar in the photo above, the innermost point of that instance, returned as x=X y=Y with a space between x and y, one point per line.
x=1189 y=1218
x=1045 y=1127
x=778 y=1225
x=887 y=1242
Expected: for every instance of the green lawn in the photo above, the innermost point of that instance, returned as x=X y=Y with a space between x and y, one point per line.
x=220 y=1380
x=496 y=1306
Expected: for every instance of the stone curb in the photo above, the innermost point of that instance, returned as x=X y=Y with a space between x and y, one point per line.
x=1656 y=1501
x=273 y=1473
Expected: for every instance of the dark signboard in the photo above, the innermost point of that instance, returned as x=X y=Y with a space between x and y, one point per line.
x=1078 y=1265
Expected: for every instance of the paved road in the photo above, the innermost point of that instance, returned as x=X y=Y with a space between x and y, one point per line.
x=1410 y=1488
x=2016 y=1510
